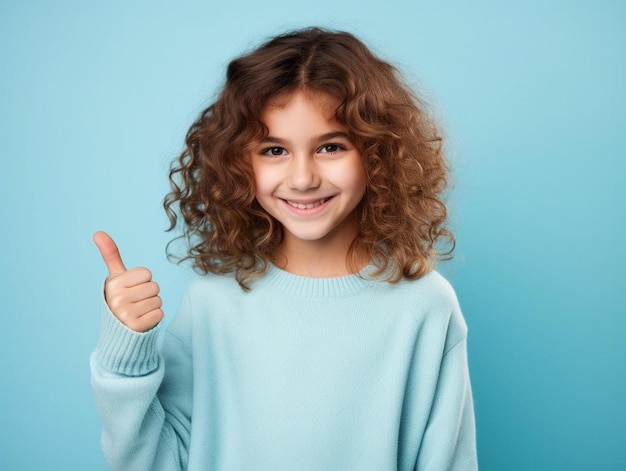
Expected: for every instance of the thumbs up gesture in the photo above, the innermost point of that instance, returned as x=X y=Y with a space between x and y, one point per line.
x=131 y=295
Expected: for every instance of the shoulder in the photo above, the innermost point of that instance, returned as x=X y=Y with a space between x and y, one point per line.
x=438 y=289
x=213 y=292
x=432 y=291
x=437 y=305
x=205 y=293
x=211 y=284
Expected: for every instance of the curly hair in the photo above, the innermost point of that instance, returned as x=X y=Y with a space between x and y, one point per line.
x=402 y=215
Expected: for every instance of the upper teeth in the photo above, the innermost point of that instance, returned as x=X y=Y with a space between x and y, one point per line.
x=308 y=205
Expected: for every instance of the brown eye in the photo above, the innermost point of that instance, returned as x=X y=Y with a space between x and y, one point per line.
x=330 y=148
x=274 y=151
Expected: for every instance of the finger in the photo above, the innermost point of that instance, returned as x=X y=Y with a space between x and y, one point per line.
x=148 y=321
x=134 y=277
x=129 y=313
x=109 y=252
x=134 y=294
x=124 y=301
x=148 y=305
x=130 y=297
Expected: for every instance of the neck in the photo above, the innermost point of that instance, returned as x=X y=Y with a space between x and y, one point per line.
x=327 y=258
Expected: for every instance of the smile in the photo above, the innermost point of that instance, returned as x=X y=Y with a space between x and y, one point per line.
x=311 y=205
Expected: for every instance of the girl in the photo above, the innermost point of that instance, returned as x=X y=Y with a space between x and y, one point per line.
x=319 y=337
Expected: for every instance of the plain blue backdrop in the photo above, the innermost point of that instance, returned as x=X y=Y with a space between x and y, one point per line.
x=95 y=99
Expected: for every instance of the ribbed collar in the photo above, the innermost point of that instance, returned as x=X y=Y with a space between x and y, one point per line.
x=306 y=287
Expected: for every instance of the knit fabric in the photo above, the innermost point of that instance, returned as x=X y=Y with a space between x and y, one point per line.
x=300 y=373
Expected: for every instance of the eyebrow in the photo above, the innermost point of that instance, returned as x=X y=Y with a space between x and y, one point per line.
x=323 y=137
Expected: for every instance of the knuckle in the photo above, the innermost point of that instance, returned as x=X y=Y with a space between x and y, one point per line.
x=111 y=283
x=154 y=288
x=113 y=300
x=139 y=274
x=124 y=313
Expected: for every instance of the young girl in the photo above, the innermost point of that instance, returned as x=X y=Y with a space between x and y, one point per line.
x=319 y=336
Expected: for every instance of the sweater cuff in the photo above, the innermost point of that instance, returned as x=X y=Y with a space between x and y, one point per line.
x=124 y=351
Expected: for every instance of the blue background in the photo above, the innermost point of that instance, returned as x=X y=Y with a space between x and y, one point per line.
x=95 y=99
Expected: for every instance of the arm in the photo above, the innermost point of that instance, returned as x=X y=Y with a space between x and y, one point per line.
x=145 y=412
x=449 y=441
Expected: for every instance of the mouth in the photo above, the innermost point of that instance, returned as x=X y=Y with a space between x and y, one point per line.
x=308 y=205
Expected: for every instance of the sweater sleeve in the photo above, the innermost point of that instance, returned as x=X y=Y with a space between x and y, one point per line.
x=143 y=397
x=449 y=441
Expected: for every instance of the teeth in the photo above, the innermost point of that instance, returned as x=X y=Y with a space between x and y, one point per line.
x=308 y=205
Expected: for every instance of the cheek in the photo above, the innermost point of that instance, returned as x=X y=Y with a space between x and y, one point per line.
x=263 y=181
x=355 y=180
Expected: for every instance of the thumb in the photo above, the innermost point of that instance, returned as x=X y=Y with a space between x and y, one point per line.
x=110 y=253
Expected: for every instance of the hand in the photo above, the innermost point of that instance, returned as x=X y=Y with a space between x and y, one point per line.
x=131 y=295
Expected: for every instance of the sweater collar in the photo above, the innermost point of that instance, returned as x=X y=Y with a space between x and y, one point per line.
x=307 y=287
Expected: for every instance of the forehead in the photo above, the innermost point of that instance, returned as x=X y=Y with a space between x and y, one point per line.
x=322 y=102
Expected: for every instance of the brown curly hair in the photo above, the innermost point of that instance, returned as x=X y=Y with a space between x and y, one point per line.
x=402 y=215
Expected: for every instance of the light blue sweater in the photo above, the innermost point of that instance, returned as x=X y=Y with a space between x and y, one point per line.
x=297 y=374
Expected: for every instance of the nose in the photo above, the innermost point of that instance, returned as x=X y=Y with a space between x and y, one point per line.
x=303 y=173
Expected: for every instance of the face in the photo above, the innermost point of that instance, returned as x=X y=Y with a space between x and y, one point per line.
x=308 y=174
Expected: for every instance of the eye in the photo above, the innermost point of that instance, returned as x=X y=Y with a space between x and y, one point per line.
x=330 y=149
x=274 y=151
